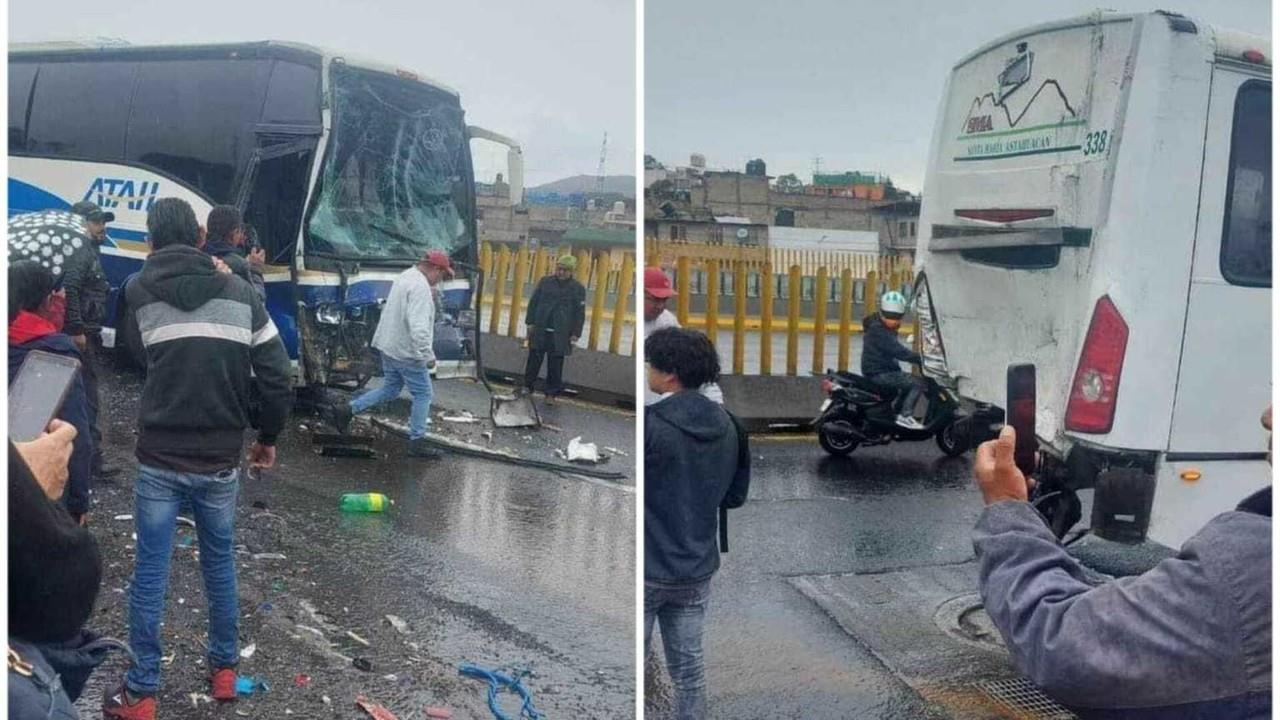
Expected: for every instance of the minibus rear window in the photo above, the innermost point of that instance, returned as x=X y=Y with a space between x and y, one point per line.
x=1246 y=233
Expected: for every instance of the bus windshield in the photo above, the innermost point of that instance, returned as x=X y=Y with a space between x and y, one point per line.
x=396 y=181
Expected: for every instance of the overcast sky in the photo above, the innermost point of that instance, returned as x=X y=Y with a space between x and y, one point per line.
x=855 y=83
x=554 y=75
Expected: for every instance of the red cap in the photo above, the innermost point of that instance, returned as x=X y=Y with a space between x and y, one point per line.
x=440 y=260
x=656 y=283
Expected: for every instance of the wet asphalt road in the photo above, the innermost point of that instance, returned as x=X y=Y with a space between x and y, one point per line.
x=831 y=600
x=771 y=652
x=487 y=563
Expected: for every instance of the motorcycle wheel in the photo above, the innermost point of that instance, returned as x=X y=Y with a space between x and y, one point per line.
x=948 y=443
x=835 y=446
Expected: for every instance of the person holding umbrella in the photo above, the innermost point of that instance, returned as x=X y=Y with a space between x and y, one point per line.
x=554 y=320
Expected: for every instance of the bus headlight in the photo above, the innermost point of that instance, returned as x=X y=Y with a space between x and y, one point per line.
x=329 y=314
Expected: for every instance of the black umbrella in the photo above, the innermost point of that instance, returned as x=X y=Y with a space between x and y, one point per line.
x=50 y=237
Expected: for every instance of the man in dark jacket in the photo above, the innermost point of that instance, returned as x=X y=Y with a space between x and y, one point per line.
x=882 y=352
x=225 y=240
x=692 y=469
x=1190 y=638
x=54 y=575
x=554 y=322
x=86 y=286
x=30 y=289
x=208 y=338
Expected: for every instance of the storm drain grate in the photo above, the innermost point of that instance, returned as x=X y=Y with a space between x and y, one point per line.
x=1025 y=700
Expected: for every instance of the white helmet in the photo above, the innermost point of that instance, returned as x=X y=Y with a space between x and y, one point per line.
x=893 y=303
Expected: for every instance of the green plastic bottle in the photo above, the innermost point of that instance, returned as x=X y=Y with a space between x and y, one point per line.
x=365 y=502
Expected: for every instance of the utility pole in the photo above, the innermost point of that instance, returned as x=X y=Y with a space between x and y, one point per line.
x=604 y=151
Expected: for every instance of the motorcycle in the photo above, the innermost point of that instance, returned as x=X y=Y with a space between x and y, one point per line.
x=858 y=412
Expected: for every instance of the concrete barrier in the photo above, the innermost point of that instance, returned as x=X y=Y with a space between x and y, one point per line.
x=596 y=376
x=761 y=401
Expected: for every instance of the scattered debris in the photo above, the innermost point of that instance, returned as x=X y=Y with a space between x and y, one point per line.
x=497 y=681
x=583 y=452
x=197 y=698
x=249 y=650
x=186 y=521
x=390 y=678
x=399 y=624
x=186 y=541
x=248 y=685
x=358 y=639
x=124 y=517
x=375 y=711
x=472 y=450
x=311 y=630
x=269 y=556
x=615 y=451
x=487 y=435
x=301 y=680
x=552 y=428
x=463 y=417
x=438 y=713
x=559 y=453
x=326 y=699
x=168 y=659
x=362 y=664
x=182 y=601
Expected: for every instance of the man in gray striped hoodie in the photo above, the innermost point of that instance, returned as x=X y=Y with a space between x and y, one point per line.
x=208 y=338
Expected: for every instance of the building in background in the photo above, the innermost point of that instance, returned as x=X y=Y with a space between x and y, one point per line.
x=851 y=201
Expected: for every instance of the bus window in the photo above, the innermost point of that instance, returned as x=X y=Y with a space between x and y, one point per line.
x=1246 y=232
x=293 y=97
x=277 y=201
x=79 y=110
x=194 y=119
x=21 y=75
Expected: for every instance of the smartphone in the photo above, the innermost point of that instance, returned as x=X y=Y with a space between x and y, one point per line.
x=1021 y=384
x=37 y=393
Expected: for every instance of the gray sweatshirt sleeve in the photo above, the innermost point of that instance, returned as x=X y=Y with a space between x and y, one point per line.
x=1161 y=638
x=422 y=322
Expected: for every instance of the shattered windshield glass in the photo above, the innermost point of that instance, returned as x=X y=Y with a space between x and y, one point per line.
x=395 y=179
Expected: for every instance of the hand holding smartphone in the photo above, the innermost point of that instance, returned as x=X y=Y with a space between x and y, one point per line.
x=1021 y=387
x=37 y=393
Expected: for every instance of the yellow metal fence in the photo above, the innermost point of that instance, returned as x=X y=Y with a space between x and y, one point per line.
x=512 y=272
x=821 y=291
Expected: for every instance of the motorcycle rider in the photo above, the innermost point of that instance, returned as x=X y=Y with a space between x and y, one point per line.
x=882 y=353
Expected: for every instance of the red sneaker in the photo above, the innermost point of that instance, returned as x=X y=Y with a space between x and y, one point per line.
x=116 y=706
x=223 y=683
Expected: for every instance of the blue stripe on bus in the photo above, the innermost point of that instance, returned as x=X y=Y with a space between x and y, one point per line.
x=25 y=197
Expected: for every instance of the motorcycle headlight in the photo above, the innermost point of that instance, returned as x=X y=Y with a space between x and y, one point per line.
x=329 y=314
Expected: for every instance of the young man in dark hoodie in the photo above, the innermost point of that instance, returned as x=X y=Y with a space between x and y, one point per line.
x=692 y=468
x=882 y=352
x=208 y=338
x=30 y=291
x=225 y=238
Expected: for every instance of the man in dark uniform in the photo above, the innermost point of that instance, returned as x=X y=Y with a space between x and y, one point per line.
x=86 y=287
x=554 y=322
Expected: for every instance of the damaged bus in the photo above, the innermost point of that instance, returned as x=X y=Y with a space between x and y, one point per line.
x=1098 y=202
x=348 y=170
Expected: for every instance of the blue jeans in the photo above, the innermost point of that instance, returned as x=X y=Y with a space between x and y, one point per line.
x=395 y=375
x=157 y=498
x=680 y=612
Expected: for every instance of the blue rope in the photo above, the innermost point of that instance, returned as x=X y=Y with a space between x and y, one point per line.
x=497 y=680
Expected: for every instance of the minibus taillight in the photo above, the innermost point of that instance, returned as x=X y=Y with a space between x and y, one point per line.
x=1091 y=407
x=1005 y=215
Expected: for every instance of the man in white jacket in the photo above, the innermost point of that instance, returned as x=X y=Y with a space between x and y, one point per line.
x=404 y=338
